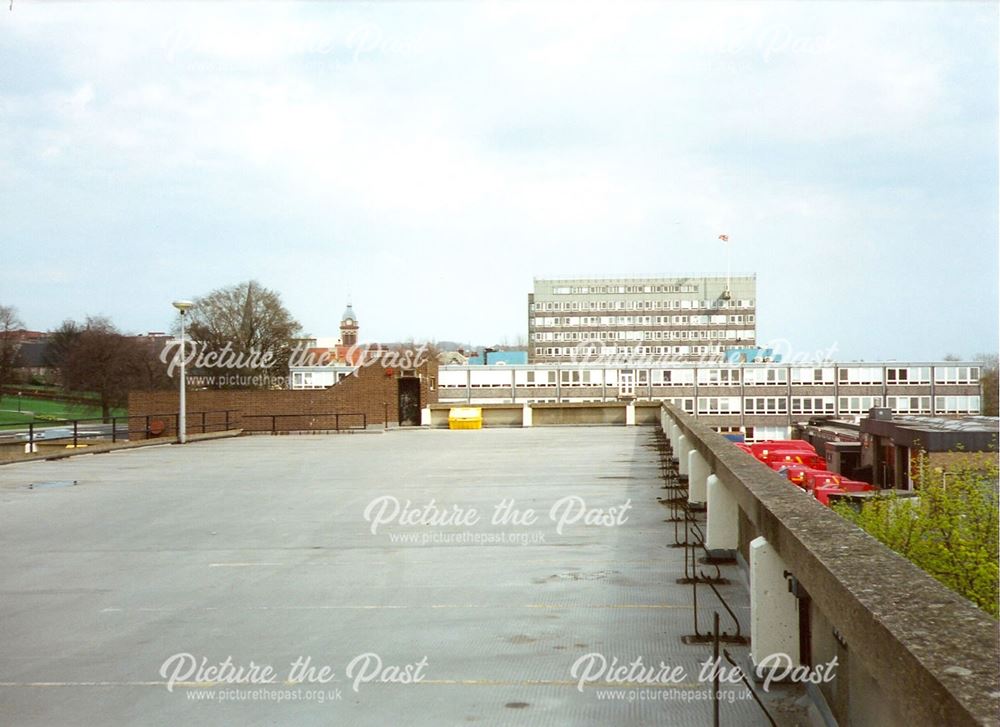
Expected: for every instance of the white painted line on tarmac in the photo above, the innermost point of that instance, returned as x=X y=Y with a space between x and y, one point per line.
x=396 y=607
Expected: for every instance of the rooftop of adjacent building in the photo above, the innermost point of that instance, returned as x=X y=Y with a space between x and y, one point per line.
x=645 y=363
x=499 y=358
x=663 y=277
x=941 y=424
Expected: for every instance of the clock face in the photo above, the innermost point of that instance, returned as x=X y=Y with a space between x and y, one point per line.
x=348 y=321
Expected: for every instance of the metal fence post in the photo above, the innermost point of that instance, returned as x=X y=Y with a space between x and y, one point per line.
x=715 y=667
x=76 y=423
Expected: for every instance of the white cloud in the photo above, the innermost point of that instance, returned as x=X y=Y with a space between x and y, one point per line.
x=596 y=136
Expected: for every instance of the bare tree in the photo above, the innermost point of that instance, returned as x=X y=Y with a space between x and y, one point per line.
x=60 y=343
x=251 y=323
x=9 y=343
x=96 y=357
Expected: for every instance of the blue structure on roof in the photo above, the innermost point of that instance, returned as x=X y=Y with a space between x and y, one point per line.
x=504 y=358
x=752 y=355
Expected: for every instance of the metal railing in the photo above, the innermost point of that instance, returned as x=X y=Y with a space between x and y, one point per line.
x=153 y=425
x=342 y=421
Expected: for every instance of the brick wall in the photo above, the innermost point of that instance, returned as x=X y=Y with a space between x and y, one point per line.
x=371 y=392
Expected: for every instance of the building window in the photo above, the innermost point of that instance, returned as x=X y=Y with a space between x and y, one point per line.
x=765 y=405
x=718 y=405
x=909 y=404
x=910 y=375
x=770 y=376
x=858 y=404
x=957 y=404
x=719 y=377
x=812 y=376
x=956 y=374
x=812 y=405
x=860 y=375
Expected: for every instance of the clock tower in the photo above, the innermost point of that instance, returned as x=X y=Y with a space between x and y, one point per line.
x=348 y=327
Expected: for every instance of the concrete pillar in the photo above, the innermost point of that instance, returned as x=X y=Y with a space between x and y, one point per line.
x=774 y=616
x=526 y=416
x=630 y=414
x=698 y=472
x=722 y=528
x=681 y=452
x=425 y=416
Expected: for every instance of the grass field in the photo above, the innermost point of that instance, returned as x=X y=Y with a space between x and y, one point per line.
x=55 y=391
x=42 y=411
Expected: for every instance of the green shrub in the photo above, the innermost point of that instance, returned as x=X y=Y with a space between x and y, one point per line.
x=951 y=530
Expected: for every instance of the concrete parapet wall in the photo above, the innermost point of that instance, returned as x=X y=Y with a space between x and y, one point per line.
x=916 y=652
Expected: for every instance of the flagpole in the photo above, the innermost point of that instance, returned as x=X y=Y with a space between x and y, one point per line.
x=728 y=265
x=725 y=240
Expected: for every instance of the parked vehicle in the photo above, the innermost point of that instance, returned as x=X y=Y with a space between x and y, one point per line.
x=795 y=473
x=823 y=492
x=765 y=447
x=797 y=460
x=802 y=457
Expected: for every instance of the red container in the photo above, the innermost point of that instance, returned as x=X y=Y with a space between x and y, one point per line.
x=796 y=473
x=802 y=457
x=817 y=479
x=773 y=444
x=823 y=492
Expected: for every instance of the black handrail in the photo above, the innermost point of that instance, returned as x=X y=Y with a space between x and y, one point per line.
x=336 y=420
x=205 y=425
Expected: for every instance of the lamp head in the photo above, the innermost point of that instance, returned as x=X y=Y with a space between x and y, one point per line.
x=183 y=305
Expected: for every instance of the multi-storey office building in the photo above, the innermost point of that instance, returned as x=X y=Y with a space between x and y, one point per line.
x=761 y=400
x=678 y=318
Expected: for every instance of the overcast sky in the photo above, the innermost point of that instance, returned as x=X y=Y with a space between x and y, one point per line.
x=429 y=160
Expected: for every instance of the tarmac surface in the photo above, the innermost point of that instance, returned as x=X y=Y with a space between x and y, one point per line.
x=120 y=593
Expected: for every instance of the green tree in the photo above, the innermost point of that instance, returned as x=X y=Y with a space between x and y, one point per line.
x=988 y=376
x=950 y=530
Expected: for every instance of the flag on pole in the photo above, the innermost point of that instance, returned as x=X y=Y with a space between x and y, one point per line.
x=724 y=238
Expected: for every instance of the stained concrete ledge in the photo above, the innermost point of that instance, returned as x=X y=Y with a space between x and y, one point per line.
x=933 y=654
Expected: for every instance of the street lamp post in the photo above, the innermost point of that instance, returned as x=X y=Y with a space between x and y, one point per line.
x=183 y=306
